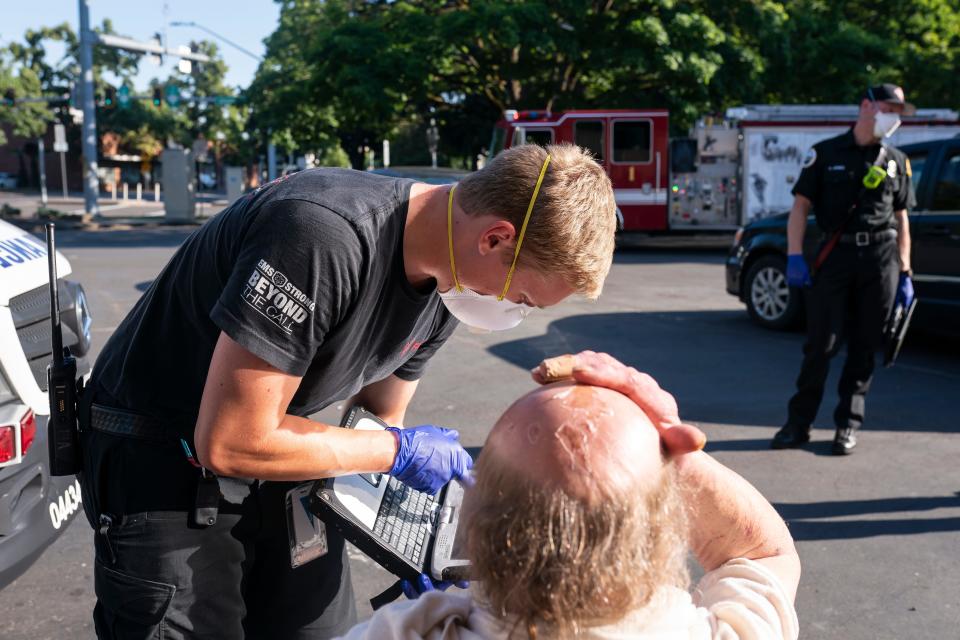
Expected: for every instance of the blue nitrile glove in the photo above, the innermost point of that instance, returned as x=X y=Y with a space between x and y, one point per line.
x=905 y=292
x=428 y=457
x=797 y=273
x=425 y=583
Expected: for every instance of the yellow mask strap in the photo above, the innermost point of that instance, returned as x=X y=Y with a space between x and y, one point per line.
x=523 y=229
x=453 y=263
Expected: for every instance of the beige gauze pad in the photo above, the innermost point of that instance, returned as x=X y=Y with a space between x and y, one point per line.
x=559 y=368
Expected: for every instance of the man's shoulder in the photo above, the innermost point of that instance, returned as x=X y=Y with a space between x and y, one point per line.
x=349 y=193
x=833 y=143
x=823 y=149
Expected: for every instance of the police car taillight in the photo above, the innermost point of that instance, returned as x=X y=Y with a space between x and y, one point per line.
x=16 y=439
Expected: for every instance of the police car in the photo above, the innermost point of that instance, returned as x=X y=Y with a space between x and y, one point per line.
x=757 y=262
x=35 y=508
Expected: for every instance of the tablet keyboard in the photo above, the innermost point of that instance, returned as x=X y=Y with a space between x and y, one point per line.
x=405 y=519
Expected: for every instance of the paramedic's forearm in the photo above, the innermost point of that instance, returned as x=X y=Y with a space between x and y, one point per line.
x=903 y=239
x=797 y=224
x=244 y=428
x=301 y=449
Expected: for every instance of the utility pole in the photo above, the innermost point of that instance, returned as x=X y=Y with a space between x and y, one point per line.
x=91 y=180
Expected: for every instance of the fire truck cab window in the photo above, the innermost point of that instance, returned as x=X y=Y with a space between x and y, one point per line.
x=631 y=141
x=589 y=135
x=542 y=137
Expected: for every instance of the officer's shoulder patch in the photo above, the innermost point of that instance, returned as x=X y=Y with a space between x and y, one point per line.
x=907 y=167
x=809 y=158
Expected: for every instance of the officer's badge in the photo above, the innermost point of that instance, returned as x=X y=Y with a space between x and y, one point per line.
x=892 y=168
x=809 y=158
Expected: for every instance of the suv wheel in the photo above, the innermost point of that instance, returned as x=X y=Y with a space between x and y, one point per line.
x=771 y=303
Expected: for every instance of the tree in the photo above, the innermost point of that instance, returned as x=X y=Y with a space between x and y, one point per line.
x=366 y=69
x=291 y=105
x=62 y=76
x=28 y=120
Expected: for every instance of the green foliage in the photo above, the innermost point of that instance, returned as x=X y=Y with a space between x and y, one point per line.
x=333 y=156
x=28 y=120
x=364 y=70
x=341 y=75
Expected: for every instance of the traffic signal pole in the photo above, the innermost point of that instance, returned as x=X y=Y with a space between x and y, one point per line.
x=91 y=180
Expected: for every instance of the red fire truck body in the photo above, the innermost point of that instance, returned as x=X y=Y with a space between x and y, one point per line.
x=631 y=145
x=727 y=173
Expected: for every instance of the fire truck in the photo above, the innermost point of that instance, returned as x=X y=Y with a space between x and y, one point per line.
x=728 y=172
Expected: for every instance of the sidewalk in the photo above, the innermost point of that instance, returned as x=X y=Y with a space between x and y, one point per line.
x=112 y=212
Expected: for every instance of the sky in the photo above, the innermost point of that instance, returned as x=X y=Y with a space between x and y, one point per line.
x=245 y=22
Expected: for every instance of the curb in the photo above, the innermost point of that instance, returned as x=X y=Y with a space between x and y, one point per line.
x=89 y=223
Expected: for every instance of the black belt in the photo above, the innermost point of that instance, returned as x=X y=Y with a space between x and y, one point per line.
x=866 y=238
x=120 y=422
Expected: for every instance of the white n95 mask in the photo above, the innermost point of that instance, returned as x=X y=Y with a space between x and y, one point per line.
x=885 y=124
x=484 y=312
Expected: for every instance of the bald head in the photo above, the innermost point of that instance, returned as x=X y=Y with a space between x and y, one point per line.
x=590 y=441
x=575 y=519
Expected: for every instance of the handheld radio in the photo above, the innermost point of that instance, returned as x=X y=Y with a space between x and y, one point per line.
x=62 y=436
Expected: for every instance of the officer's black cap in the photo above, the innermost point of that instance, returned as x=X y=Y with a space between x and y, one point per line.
x=892 y=94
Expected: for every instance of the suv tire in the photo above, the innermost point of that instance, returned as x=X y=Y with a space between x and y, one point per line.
x=770 y=302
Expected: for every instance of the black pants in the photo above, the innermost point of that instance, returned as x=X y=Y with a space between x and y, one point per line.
x=158 y=576
x=851 y=298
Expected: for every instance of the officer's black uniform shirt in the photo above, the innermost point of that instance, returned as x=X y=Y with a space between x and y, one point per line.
x=832 y=178
x=306 y=273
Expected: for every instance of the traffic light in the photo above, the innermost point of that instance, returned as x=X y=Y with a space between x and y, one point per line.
x=9 y=97
x=157 y=97
x=110 y=97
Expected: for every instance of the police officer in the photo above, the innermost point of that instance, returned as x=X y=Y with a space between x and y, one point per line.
x=319 y=286
x=860 y=191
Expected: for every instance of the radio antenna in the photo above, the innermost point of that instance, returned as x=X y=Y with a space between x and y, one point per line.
x=57 y=335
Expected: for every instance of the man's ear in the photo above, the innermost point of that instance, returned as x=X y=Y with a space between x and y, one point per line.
x=496 y=237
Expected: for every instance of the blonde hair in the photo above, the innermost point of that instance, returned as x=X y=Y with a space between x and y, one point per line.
x=550 y=564
x=572 y=226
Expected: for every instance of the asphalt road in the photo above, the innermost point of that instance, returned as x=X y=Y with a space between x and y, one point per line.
x=878 y=532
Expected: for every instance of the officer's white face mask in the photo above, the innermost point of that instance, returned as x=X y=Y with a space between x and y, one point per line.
x=885 y=124
x=485 y=312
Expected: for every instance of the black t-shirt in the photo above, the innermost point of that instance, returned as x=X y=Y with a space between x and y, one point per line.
x=832 y=178
x=306 y=273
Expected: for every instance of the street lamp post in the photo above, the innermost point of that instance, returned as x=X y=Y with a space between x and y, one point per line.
x=271 y=148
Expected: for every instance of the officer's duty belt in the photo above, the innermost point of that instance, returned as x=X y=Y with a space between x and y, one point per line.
x=866 y=238
x=120 y=422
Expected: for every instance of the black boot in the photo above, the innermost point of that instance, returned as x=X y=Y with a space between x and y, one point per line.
x=844 y=441
x=790 y=437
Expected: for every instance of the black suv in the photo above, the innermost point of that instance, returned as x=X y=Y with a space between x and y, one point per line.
x=757 y=264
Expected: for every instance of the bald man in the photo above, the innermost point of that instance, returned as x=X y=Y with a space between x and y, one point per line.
x=588 y=495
